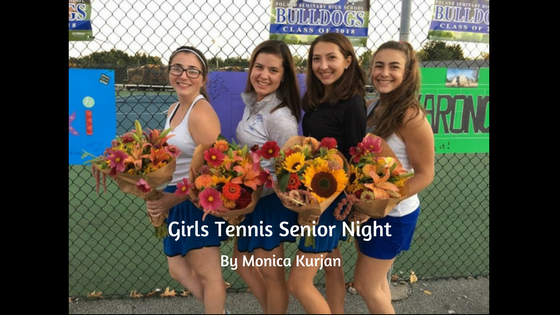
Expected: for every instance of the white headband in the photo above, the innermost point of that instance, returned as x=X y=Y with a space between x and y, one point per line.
x=191 y=51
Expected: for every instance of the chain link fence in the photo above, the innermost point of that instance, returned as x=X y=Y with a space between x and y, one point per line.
x=112 y=248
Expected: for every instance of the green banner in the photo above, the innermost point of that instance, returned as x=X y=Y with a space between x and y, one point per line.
x=458 y=109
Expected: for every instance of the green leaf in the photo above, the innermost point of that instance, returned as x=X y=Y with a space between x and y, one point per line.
x=283 y=181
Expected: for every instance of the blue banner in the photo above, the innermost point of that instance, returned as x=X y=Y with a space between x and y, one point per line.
x=299 y=22
x=79 y=24
x=92 y=119
x=461 y=20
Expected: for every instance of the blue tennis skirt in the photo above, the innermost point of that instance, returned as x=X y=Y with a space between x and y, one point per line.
x=187 y=231
x=331 y=240
x=267 y=225
x=392 y=235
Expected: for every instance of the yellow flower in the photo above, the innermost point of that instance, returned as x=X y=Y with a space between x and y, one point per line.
x=322 y=181
x=368 y=168
x=221 y=179
x=230 y=204
x=367 y=196
x=294 y=162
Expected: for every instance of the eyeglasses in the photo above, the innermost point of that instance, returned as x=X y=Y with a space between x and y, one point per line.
x=191 y=73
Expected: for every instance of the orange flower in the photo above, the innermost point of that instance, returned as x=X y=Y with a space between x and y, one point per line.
x=231 y=191
x=380 y=185
x=312 y=142
x=248 y=177
x=203 y=181
x=235 y=170
x=139 y=153
x=221 y=145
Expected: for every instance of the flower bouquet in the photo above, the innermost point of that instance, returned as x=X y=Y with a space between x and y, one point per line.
x=378 y=181
x=227 y=179
x=141 y=163
x=309 y=177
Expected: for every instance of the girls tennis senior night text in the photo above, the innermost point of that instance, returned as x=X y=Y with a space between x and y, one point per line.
x=179 y=229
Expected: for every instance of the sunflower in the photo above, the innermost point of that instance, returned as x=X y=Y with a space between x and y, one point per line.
x=294 y=162
x=220 y=179
x=324 y=182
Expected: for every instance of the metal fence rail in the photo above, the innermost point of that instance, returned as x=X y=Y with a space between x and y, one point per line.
x=111 y=244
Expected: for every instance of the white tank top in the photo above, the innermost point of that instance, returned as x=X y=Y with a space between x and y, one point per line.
x=184 y=142
x=409 y=204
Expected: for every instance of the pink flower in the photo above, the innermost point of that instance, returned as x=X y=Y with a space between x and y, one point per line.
x=204 y=169
x=183 y=187
x=172 y=150
x=143 y=185
x=214 y=157
x=264 y=177
x=116 y=160
x=355 y=152
x=371 y=144
x=210 y=199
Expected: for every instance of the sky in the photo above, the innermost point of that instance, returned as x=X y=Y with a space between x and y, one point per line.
x=228 y=28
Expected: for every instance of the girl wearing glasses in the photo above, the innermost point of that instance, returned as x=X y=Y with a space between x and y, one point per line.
x=193 y=261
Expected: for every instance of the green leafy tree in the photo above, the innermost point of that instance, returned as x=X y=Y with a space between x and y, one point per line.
x=215 y=62
x=366 y=59
x=114 y=59
x=300 y=61
x=236 y=61
x=438 y=50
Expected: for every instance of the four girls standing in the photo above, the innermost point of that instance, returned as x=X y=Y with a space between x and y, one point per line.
x=334 y=106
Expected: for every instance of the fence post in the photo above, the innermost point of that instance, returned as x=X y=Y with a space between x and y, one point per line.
x=405 y=20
